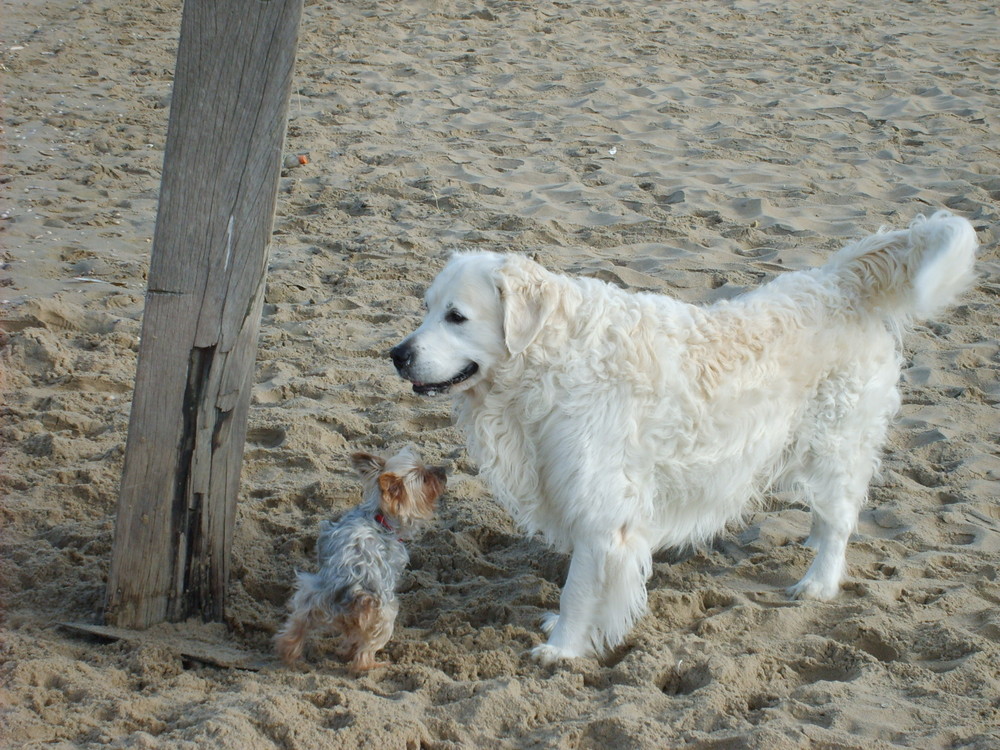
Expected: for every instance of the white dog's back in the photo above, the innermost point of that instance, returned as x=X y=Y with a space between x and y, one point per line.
x=712 y=405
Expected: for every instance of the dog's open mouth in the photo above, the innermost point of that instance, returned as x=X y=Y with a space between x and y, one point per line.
x=432 y=389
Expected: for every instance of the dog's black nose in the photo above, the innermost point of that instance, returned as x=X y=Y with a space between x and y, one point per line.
x=401 y=355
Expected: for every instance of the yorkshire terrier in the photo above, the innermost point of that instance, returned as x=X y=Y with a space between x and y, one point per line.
x=361 y=558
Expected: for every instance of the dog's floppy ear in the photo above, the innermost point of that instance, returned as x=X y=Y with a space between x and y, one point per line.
x=367 y=465
x=528 y=299
x=393 y=490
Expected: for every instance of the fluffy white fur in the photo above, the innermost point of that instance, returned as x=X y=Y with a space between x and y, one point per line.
x=618 y=423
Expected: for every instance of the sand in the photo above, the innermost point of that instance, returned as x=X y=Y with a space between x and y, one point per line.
x=695 y=148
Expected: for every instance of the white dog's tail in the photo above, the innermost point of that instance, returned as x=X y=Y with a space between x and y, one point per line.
x=910 y=273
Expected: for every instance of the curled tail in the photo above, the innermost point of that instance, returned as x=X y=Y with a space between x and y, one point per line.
x=909 y=274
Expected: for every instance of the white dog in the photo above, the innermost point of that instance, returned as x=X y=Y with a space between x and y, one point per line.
x=620 y=423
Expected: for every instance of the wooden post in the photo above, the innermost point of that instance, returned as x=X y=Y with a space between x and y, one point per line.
x=176 y=504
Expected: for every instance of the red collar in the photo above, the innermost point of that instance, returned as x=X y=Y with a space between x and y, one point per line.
x=381 y=520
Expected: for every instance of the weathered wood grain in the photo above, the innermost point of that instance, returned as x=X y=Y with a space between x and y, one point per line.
x=225 y=135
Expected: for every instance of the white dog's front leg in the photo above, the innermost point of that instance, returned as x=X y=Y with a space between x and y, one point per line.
x=571 y=631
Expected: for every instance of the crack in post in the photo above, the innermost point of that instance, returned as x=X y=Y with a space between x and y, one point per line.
x=191 y=589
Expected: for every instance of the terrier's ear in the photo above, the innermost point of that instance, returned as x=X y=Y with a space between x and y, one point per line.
x=393 y=494
x=367 y=465
x=528 y=299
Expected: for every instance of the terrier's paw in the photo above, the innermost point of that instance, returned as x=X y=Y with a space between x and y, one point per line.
x=549 y=620
x=547 y=654
x=364 y=663
x=289 y=649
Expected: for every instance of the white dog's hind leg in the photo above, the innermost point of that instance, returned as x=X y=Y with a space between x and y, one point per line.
x=829 y=538
x=847 y=432
x=816 y=531
x=572 y=630
x=836 y=486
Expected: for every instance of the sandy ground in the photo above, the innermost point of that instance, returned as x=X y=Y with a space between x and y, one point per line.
x=696 y=148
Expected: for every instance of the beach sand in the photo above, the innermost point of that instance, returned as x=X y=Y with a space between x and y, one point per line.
x=693 y=148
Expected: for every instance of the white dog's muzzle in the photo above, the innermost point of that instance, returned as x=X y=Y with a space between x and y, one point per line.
x=403 y=357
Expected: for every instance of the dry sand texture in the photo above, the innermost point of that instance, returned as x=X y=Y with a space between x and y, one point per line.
x=691 y=147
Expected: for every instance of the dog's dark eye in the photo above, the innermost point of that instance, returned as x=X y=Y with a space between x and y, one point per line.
x=454 y=316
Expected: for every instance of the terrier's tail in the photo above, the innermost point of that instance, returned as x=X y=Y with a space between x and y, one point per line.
x=909 y=274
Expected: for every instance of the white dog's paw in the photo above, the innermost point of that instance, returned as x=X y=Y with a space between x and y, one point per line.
x=549 y=620
x=808 y=588
x=548 y=654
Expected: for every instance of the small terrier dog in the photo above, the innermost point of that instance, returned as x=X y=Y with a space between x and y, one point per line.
x=361 y=558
